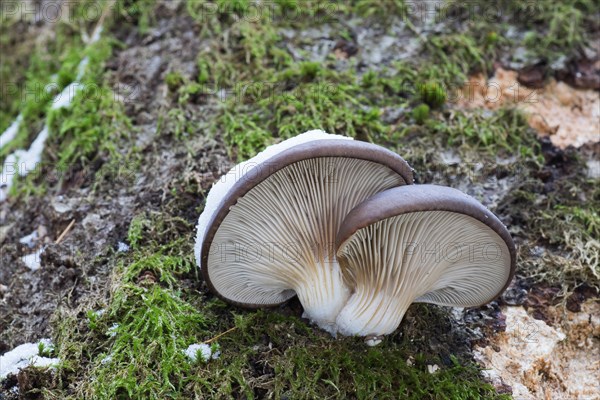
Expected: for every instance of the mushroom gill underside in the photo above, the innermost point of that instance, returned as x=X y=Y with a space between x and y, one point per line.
x=278 y=240
x=438 y=257
x=363 y=285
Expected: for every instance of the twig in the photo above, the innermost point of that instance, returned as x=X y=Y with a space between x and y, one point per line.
x=220 y=334
x=64 y=233
x=99 y=24
x=104 y=15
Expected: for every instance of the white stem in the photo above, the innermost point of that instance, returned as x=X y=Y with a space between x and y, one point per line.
x=324 y=295
x=371 y=314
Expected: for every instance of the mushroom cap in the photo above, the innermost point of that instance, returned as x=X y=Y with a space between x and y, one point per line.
x=419 y=243
x=226 y=183
x=273 y=220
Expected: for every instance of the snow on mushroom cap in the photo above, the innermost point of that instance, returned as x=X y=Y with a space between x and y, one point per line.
x=220 y=189
x=422 y=243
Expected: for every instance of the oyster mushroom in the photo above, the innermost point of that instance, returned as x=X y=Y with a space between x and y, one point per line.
x=419 y=243
x=269 y=226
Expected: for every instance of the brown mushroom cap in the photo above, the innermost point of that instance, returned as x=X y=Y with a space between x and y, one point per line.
x=284 y=215
x=422 y=243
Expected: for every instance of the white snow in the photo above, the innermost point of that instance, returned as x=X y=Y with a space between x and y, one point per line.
x=81 y=68
x=106 y=360
x=204 y=350
x=22 y=162
x=226 y=183
x=29 y=240
x=95 y=36
x=112 y=331
x=122 y=247
x=9 y=134
x=65 y=98
x=371 y=341
x=100 y=312
x=432 y=369
x=32 y=157
x=25 y=355
x=593 y=169
x=33 y=261
x=52 y=84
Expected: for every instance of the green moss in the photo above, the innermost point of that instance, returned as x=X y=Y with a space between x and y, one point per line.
x=564 y=27
x=37 y=69
x=317 y=104
x=45 y=350
x=432 y=93
x=245 y=134
x=367 y=8
x=175 y=122
x=145 y=349
x=285 y=98
x=309 y=95
x=36 y=91
x=248 y=52
x=136 y=230
x=135 y=347
x=162 y=266
x=174 y=80
x=492 y=38
x=42 y=67
x=420 y=113
x=562 y=232
x=217 y=16
x=138 y=12
x=281 y=356
x=371 y=373
x=502 y=132
x=453 y=57
x=78 y=133
x=551 y=29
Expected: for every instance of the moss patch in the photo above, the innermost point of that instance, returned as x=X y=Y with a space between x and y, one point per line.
x=557 y=213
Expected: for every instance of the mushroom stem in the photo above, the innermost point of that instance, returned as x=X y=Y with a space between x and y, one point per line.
x=371 y=313
x=323 y=294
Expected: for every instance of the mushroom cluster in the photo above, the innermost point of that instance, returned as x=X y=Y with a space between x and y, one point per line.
x=340 y=224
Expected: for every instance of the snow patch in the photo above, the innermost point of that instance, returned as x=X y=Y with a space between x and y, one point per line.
x=112 y=331
x=33 y=261
x=29 y=240
x=432 y=369
x=65 y=98
x=100 y=312
x=122 y=247
x=9 y=134
x=25 y=355
x=81 y=68
x=205 y=351
x=21 y=162
x=593 y=169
